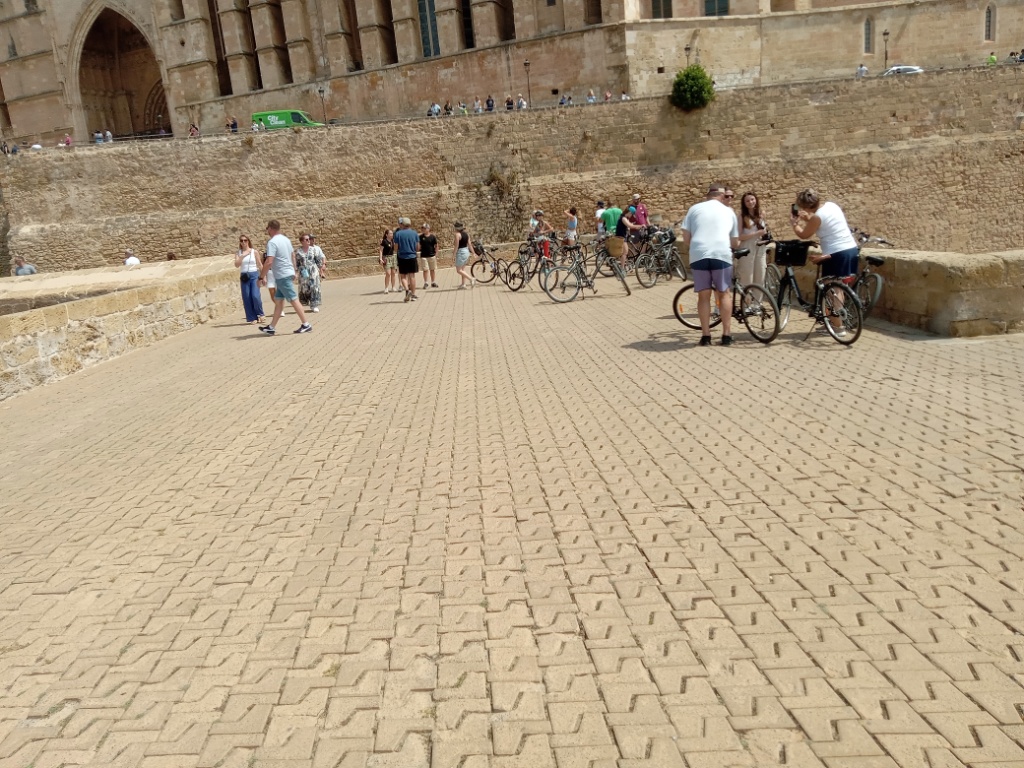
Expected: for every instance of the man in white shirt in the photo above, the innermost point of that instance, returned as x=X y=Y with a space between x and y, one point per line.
x=711 y=231
x=862 y=72
x=130 y=259
x=281 y=259
x=597 y=215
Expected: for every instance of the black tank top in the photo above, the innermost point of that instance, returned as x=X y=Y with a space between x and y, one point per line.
x=464 y=239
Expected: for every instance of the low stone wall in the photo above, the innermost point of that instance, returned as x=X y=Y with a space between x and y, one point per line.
x=128 y=308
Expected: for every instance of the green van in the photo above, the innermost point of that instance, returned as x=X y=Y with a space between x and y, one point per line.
x=283 y=118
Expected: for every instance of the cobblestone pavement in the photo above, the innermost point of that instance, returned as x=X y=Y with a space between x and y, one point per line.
x=483 y=529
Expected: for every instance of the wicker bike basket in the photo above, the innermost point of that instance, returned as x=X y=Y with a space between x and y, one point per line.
x=791 y=253
x=616 y=247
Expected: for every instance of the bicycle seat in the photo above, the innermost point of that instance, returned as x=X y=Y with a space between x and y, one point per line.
x=739 y=253
x=875 y=261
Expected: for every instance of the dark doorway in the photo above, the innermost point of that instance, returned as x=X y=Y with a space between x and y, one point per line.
x=118 y=76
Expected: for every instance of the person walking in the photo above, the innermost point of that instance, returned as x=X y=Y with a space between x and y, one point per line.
x=460 y=249
x=641 y=211
x=428 y=256
x=711 y=232
x=388 y=261
x=862 y=72
x=750 y=269
x=22 y=268
x=281 y=260
x=407 y=242
x=248 y=265
x=310 y=262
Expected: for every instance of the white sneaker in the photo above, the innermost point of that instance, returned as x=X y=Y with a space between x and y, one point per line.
x=386 y=291
x=315 y=309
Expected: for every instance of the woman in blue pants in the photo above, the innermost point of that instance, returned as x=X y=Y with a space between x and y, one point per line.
x=248 y=274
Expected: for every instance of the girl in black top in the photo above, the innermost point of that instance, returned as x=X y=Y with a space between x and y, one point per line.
x=389 y=261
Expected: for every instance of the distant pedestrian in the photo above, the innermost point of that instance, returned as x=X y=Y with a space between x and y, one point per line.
x=435 y=110
x=591 y=97
x=108 y=137
x=510 y=103
x=262 y=125
x=447 y=110
x=561 y=101
x=460 y=248
x=389 y=261
x=281 y=260
x=862 y=72
x=407 y=242
x=607 y=96
x=428 y=256
x=521 y=102
x=247 y=261
x=22 y=268
x=599 y=215
x=193 y=131
x=172 y=256
x=478 y=105
x=991 y=60
x=568 y=100
x=572 y=223
x=641 y=211
x=624 y=96
x=67 y=140
x=255 y=127
x=490 y=103
x=309 y=260
x=97 y=137
x=130 y=259
x=233 y=124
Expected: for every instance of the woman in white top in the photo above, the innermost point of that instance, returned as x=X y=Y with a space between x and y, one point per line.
x=750 y=269
x=572 y=222
x=826 y=221
x=249 y=273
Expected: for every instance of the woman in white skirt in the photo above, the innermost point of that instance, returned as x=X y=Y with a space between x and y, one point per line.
x=750 y=269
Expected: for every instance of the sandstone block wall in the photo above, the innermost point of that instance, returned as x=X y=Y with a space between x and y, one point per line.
x=50 y=342
x=915 y=159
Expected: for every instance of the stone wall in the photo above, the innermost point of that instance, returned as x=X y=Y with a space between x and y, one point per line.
x=914 y=158
x=65 y=334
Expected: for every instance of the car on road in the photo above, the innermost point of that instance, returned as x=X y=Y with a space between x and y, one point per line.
x=902 y=69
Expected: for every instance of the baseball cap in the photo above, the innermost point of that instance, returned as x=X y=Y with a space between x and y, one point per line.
x=636 y=197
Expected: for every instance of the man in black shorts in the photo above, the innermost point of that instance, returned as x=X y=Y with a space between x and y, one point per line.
x=428 y=256
x=407 y=242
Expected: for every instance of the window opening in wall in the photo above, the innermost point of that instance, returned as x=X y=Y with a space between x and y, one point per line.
x=990 y=24
x=468 y=37
x=428 y=29
x=250 y=46
x=280 y=36
x=661 y=9
x=355 y=50
x=507 y=20
x=387 y=32
x=223 y=73
x=716 y=7
x=592 y=12
x=177 y=9
x=869 y=42
x=552 y=3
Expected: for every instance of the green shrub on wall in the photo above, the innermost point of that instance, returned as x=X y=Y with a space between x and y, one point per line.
x=692 y=88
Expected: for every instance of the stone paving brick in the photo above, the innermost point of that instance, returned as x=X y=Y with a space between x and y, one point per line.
x=492 y=531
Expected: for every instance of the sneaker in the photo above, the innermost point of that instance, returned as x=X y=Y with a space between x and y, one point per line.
x=472 y=282
x=414 y=297
x=705 y=341
x=841 y=333
x=304 y=328
x=434 y=285
x=406 y=296
x=268 y=329
x=315 y=309
x=386 y=291
x=727 y=341
x=462 y=286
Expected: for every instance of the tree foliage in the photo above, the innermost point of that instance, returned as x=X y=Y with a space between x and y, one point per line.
x=692 y=88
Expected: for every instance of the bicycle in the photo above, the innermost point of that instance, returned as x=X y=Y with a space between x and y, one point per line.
x=486 y=267
x=563 y=283
x=531 y=261
x=662 y=259
x=867 y=284
x=756 y=309
x=833 y=298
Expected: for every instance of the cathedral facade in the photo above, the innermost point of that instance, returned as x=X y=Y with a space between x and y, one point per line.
x=144 y=67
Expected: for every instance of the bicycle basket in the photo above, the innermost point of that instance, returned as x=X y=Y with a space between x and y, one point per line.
x=478 y=248
x=791 y=253
x=616 y=246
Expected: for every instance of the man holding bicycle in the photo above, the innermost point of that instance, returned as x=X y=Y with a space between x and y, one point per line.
x=711 y=231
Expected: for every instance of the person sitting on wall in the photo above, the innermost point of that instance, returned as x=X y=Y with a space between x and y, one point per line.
x=510 y=103
x=521 y=102
x=108 y=137
x=130 y=259
x=489 y=104
x=21 y=268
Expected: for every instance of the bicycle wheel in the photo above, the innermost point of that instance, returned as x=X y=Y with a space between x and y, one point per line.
x=675 y=265
x=501 y=270
x=772 y=281
x=684 y=305
x=562 y=284
x=647 y=270
x=869 y=289
x=840 y=308
x=605 y=263
x=620 y=273
x=543 y=267
x=759 y=313
x=785 y=304
x=483 y=271
x=516 y=276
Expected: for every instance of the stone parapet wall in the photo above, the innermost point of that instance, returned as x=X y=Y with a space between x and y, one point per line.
x=138 y=308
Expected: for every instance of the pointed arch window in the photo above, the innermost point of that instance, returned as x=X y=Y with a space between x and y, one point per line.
x=990 y=24
x=428 y=29
x=869 y=36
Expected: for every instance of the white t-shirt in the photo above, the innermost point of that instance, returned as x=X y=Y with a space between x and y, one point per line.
x=600 y=223
x=280 y=250
x=711 y=225
x=132 y=261
x=833 y=232
x=249 y=262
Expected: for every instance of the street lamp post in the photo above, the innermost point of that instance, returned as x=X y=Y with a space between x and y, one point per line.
x=529 y=93
x=687 y=49
x=885 y=40
x=323 y=92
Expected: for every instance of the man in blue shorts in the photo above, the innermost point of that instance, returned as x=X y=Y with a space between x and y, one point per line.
x=711 y=231
x=281 y=260
x=407 y=242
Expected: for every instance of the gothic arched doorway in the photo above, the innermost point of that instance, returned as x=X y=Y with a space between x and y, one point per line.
x=118 y=76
